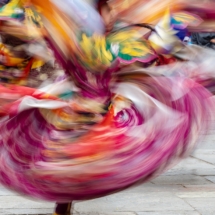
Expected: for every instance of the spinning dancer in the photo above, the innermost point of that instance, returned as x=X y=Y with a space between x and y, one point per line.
x=116 y=119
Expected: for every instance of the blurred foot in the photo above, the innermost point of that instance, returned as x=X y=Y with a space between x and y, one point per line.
x=63 y=209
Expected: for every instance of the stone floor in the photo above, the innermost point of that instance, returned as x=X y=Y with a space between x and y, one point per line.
x=187 y=189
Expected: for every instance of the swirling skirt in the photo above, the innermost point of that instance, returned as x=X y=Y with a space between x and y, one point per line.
x=151 y=125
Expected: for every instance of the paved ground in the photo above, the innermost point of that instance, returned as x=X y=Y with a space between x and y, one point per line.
x=187 y=189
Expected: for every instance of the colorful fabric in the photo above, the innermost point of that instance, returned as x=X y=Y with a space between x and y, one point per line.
x=124 y=46
x=107 y=123
x=12 y=10
x=60 y=161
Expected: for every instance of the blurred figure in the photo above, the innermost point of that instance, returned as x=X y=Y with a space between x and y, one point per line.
x=143 y=48
x=25 y=59
x=204 y=39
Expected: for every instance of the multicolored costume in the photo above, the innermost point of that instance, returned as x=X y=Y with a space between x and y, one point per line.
x=23 y=52
x=107 y=124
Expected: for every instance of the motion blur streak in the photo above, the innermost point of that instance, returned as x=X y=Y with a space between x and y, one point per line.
x=98 y=96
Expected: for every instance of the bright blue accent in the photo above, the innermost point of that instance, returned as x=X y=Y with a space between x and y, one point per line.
x=66 y=95
x=181 y=32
